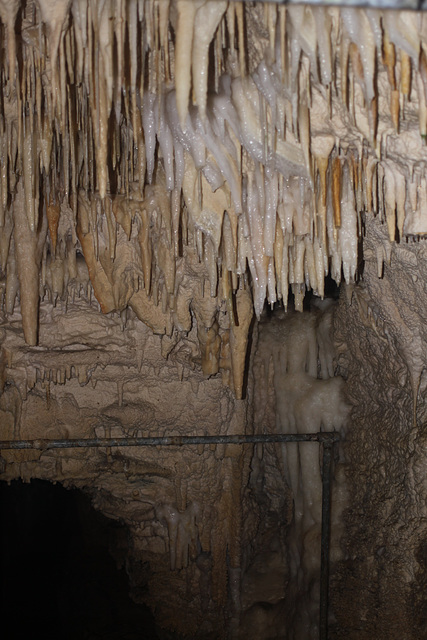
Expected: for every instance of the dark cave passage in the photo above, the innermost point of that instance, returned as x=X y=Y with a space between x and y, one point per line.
x=58 y=580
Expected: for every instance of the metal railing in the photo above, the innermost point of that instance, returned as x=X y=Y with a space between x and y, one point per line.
x=416 y=5
x=327 y=439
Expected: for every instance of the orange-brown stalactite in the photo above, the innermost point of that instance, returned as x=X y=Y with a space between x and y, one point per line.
x=336 y=190
x=102 y=286
x=239 y=333
x=8 y=12
x=109 y=106
x=53 y=213
x=150 y=313
x=28 y=251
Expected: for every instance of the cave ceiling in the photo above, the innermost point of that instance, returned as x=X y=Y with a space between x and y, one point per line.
x=185 y=162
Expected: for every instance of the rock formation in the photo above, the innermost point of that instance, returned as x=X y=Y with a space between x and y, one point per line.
x=175 y=174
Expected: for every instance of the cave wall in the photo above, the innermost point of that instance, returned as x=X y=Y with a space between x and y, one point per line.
x=109 y=377
x=117 y=205
x=380 y=327
x=105 y=375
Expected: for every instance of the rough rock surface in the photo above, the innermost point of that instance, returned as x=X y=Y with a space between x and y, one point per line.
x=272 y=180
x=90 y=377
x=377 y=589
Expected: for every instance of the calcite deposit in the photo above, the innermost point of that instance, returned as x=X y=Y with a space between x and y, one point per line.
x=180 y=180
x=110 y=379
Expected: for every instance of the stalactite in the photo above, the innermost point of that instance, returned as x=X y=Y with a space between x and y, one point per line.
x=239 y=332
x=254 y=172
x=28 y=249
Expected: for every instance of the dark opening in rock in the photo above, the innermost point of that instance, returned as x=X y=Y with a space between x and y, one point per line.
x=58 y=579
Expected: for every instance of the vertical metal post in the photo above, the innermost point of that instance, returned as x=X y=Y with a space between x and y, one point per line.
x=326 y=439
x=325 y=539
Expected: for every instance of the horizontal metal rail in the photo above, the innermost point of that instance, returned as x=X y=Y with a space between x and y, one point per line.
x=167 y=441
x=417 y=5
x=327 y=438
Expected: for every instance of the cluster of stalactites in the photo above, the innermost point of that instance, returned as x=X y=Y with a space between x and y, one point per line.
x=107 y=99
